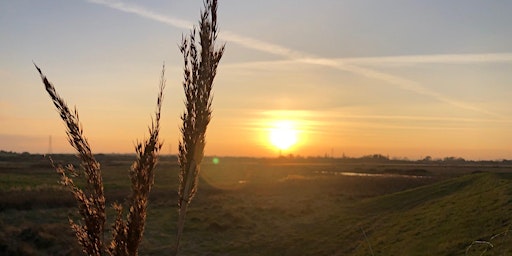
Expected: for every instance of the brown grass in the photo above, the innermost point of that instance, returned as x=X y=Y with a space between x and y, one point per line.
x=200 y=67
x=200 y=60
x=127 y=235
x=91 y=200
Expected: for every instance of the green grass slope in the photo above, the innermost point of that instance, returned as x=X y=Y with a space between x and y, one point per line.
x=441 y=219
x=277 y=209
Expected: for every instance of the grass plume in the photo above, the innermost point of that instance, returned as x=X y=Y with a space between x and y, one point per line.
x=127 y=234
x=200 y=67
x=91 y=202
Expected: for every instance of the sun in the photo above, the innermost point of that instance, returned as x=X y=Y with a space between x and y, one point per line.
x=283 y=134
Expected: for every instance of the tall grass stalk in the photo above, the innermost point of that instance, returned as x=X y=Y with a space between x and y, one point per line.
x=127 y=234
x=367 y=241
x=91 y=202
x=200 y=67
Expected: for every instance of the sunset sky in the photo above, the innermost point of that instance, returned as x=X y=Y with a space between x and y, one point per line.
x=356 y=77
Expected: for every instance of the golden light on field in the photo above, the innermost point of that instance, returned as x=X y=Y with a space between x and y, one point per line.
x=283 y=134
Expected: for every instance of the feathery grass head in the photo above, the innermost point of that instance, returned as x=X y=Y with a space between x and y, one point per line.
x=126 y=234
x=199 y=71
x=91 y=202
x=200 y=67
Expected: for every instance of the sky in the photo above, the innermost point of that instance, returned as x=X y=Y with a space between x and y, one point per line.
x=352 y=77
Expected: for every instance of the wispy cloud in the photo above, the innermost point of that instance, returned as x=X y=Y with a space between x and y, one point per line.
x=259 y=45
x=459 y=59
x=413 y=86
x=425 y=118
x=347 y=65
x=142 y=12
x=247 y=42
x=331 y=121
x=342 y=115
x=433 y=59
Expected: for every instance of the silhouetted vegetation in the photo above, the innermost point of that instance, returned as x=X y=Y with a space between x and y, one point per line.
x=200 y=60
x=90 y=197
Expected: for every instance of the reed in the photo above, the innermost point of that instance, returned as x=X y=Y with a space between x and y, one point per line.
x=127 y=234
x=200 y=67
x=91 y=201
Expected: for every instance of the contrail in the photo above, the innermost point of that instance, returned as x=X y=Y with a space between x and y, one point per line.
x=259 y=45
x=247 y=42
x=340 y=64
x=434 y=59
x=139 y=11
x=410 y=85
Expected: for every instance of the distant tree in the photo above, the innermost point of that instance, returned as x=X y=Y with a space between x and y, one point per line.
x=375 y=157
x=452 y=159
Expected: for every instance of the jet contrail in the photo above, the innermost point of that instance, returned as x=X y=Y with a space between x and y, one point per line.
x=139 y=11
x=434 y=59
x=340 y=64
x=247 y=42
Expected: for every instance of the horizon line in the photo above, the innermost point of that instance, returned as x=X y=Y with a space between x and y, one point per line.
x=293 y=156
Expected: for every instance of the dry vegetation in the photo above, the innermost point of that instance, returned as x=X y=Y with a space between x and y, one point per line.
x=200 y=60
x=200 y=63
x=127 y=233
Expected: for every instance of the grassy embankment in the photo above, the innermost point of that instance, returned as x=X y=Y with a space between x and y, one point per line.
x=257 y=207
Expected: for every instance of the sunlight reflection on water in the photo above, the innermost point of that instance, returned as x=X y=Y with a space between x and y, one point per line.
x=364 y=174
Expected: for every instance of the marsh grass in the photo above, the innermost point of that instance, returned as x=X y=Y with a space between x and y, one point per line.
x=200 y=67
x=270 y=215
x=127 y=234
x=90 y=231
x=201 y=58
x=91 y=201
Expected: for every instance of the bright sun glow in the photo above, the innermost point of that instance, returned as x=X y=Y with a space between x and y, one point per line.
x=283 y=135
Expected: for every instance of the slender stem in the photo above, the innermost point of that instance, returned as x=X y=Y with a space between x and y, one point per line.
x=367 y=241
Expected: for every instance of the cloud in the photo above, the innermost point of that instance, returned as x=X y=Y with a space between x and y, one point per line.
x=142 y=12
x=422 y=118
x=459 y=59
x=184 y=24
x=347 y=65
x=433 y=59
x=259 y=45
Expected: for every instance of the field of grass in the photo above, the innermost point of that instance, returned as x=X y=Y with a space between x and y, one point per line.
x=278 y=207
